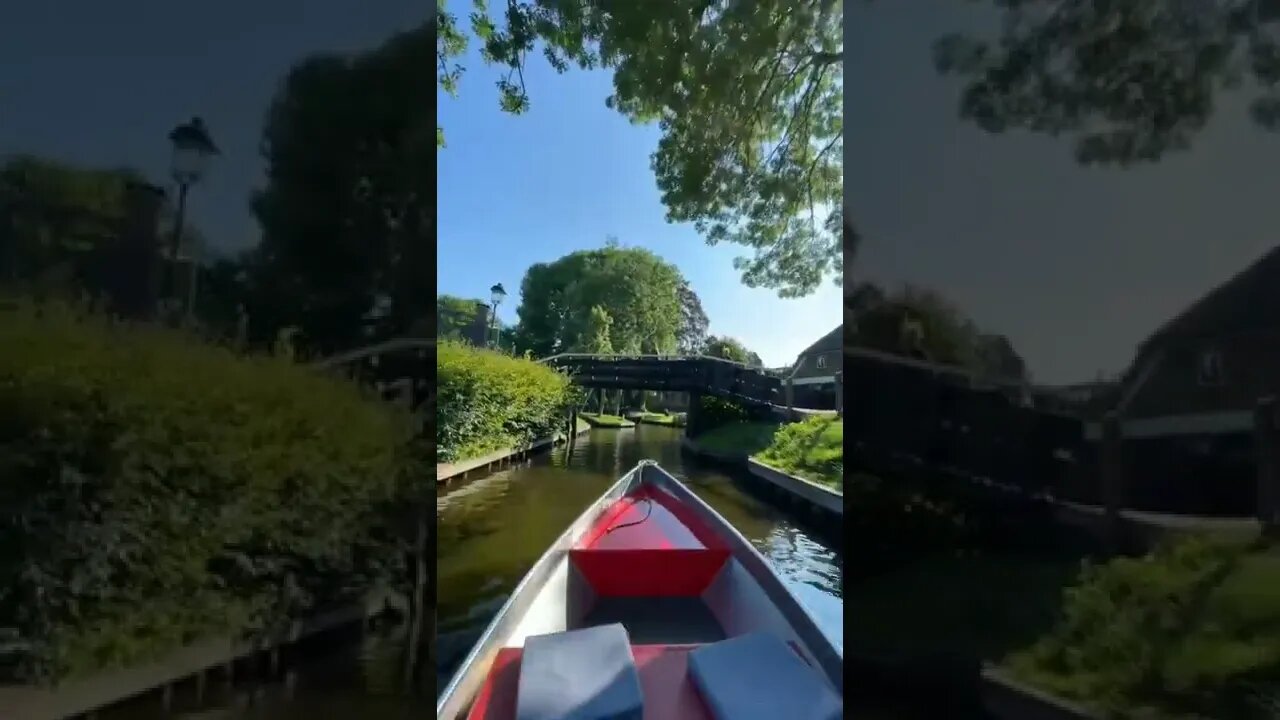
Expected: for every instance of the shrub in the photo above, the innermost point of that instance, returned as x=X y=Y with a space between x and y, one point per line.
x=154 y=490
x=487 y=401
x=1193 y=627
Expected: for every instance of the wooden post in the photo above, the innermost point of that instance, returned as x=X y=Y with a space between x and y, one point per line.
x=791 y=396
x=417 y=606
x=200 y=677
x=839 y=394
x=1266 y=430
x=1111 y=457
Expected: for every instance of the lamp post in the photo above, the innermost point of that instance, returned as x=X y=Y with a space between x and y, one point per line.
x=192 y=150
x=496 y=293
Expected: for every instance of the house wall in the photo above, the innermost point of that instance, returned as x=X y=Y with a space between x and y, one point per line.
x=807 y=364
x=1250 y=369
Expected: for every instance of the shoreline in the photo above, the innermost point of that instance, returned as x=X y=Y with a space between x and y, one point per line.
x=459 y=470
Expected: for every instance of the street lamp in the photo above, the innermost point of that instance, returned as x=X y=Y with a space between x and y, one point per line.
x=192 y=150
x=496 y=293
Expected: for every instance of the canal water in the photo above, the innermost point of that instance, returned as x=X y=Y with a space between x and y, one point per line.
x=491 y=530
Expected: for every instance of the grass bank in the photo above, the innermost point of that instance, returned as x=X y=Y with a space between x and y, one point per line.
x=812 y=449
x=488 y=401
x=669 y=420
x=169 y=490
x=606 y=421
x=1192 y=630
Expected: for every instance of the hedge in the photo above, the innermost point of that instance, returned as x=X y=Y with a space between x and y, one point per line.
x=155 y=490
x=488 y=401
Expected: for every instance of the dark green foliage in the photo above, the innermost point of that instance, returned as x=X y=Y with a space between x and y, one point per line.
x=718 y=411
x=155 y=490
x=629 y=294
x=730 y=349
x=1195 y=627
x=455 y=316
x=489 y=401
x=348 y=209
x=921 y=323
x=1127 y=81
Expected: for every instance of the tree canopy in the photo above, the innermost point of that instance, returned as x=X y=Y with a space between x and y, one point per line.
x=921 y=323
x=347 y=213
x=731 y=349
x=693 y=320
x=747 y=94
x=563 y=303
x=1127 y=81
x=54 y=212
x=454 y=315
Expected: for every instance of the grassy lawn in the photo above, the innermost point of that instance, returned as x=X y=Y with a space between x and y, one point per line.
x=606 y=421
x=1190 y=631
x=660 y=419
x=813 y=450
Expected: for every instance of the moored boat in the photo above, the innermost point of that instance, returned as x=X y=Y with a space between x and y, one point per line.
x=649 y=607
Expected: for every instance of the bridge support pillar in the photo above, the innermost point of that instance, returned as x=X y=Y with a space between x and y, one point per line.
x=693 y=419
x=840 y=395
x=1112 y=467
x=1266 y=424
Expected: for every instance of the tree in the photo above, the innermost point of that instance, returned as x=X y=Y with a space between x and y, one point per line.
x=921 y=323
x=1127 y=81
x=916 y=322
x=693 y=320
x=347 y=214
x=55 y=213
x=454 y=316
x=596 y=338
x=747 y=94
x=636 y=288
x=731 y=349
x=998 y=359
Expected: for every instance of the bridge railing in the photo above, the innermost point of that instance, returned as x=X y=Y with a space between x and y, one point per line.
x=401 y=370
x=681 y=373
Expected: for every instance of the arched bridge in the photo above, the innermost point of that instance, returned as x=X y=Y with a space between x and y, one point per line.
x=697 y=374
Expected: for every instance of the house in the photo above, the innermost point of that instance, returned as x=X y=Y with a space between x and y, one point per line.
x=814 y=374
x=1203 y=371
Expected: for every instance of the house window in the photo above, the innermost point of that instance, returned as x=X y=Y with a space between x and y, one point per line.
x=1209 y=367
x=822 y=361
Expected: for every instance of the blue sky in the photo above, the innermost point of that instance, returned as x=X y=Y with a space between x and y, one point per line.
x=518 y=190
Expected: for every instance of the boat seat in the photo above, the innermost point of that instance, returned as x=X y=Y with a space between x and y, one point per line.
x=758 y=677
x=587 y=674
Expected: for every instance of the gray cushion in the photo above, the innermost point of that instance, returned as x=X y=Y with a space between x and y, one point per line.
x=587 y=674
x=759 y=676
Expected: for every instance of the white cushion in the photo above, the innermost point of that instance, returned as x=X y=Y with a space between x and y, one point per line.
x=759 y=677
x=587 y=674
